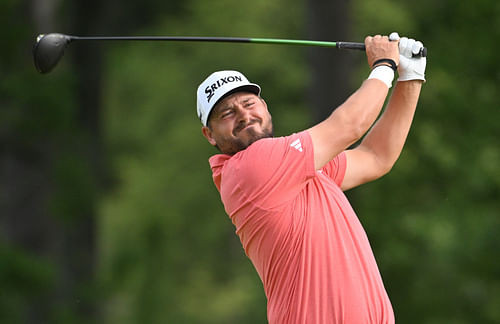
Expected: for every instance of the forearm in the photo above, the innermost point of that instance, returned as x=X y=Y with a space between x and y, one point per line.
x=387 y=137
x=363 y=107
x=348 y=122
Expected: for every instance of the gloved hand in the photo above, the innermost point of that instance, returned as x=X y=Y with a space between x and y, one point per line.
x=410 y=68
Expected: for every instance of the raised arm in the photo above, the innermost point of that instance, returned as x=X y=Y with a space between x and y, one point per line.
x=381 y=147
x=354 y=117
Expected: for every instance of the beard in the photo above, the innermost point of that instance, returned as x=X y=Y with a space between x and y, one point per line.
x=232 y=145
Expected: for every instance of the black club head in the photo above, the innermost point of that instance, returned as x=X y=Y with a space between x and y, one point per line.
x=48 y=50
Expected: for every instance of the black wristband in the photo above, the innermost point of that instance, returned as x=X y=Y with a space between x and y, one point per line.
x=386 y=60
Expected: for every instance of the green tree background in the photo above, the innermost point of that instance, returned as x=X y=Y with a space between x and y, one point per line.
x=107 y=209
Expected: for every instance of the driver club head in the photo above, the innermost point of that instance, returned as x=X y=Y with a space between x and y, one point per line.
x=48 y=50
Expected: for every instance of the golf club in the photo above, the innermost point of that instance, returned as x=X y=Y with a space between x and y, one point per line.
x=49 y=48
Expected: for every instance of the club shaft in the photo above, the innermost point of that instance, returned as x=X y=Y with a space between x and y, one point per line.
x=343 y=45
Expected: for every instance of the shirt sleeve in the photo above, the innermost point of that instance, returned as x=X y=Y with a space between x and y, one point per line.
x=335 y=169
x=274 y=170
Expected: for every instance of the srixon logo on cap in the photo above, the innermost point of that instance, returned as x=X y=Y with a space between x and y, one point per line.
x=210 y=90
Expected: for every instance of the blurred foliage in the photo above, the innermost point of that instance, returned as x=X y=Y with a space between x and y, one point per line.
x=436 y=229
x=168 y=249
x=167 y=253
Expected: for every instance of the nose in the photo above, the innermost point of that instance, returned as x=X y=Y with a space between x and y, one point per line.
x=243 y=118
x=243 y=115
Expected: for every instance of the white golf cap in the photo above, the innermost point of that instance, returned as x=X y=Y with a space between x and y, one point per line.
x=219 y=85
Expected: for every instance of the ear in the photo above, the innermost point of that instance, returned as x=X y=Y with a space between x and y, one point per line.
x=264 y=102
x=208 y=135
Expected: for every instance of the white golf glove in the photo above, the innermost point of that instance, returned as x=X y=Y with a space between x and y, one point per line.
x=410 y=68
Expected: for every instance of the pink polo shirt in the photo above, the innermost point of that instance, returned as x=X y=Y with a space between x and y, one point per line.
x=301 y=234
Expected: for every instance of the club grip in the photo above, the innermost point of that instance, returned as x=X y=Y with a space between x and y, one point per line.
x=351 y=45
x=361 y=46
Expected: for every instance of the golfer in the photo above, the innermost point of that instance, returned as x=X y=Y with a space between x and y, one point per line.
x=285 y=195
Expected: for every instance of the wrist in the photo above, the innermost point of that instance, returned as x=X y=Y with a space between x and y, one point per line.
x=387 y=62
x=411 y=77
x=383 y=73
x=412 y=81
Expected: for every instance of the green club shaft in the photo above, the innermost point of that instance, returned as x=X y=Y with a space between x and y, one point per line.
x=342 y=45
x=292 y=42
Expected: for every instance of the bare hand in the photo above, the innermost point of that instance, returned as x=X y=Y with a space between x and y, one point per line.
x=379 y=47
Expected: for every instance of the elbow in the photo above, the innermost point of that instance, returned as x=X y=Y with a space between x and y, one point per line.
x=356 y=127
x=381 y=164
x=376 y=173
x=384 y=167
x=361 y=127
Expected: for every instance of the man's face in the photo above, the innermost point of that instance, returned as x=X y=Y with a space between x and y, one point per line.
x=237 y=121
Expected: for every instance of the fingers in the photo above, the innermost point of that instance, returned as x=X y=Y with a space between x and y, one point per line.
x=409 y=46
x=380 y=47
x=417 y=47
x=411 y=68
x=376 y=38
x=406 y=46
x=394 y=36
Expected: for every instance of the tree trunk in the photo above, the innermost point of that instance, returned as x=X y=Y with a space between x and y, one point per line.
x=49 y=185
x=330 y=68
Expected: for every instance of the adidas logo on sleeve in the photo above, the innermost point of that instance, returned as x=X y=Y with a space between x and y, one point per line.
x=297 y=145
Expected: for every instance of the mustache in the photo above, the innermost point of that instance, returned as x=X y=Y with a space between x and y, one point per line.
x=243 y=124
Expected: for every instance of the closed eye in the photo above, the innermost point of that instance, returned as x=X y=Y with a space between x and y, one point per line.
x=249 y=103
x=226 y=113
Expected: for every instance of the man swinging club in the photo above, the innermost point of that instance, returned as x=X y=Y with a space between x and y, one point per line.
x=285 y=195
